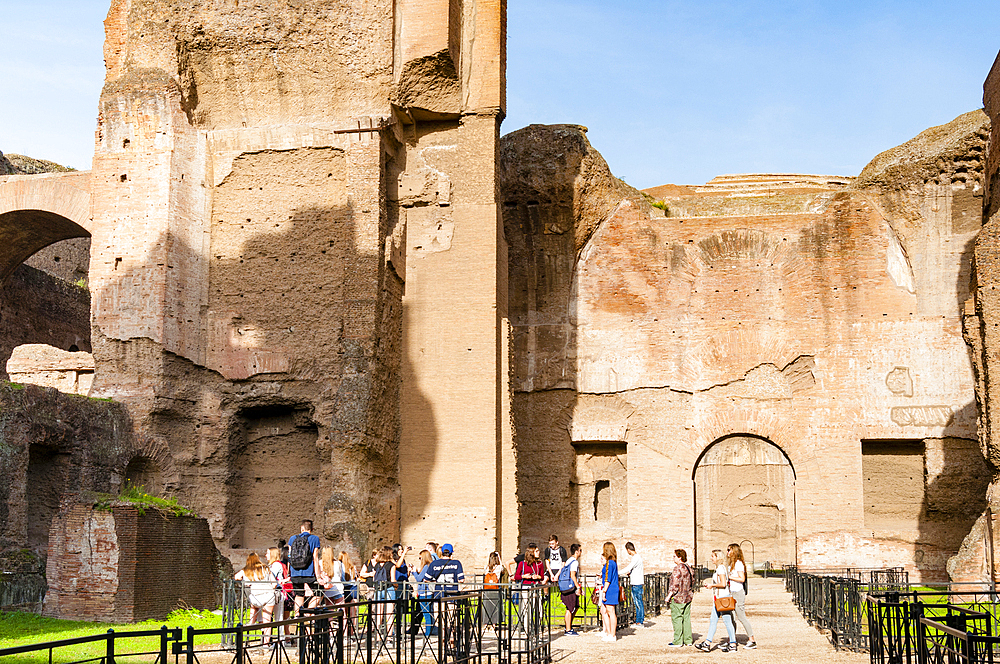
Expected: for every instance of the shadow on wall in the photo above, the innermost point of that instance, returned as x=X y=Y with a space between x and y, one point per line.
x=296 y=414
x=554 y=188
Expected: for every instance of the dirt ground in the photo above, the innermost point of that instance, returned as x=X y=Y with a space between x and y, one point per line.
x=782 y=636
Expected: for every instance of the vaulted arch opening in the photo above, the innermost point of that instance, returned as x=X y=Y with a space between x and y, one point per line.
x=745 y=492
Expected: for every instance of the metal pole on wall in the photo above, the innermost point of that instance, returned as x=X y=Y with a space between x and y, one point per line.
x=989 y=550
x=694 y=494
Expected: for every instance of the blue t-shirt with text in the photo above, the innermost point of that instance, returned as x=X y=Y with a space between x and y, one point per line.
x=445 y=571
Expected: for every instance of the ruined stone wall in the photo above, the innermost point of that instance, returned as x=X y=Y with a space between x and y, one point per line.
x=53 y=445
x=249 y=253
x=818 y=322
x=37 y=308
x=981 y=316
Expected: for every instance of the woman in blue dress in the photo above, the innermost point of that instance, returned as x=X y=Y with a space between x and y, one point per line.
x=608 y=597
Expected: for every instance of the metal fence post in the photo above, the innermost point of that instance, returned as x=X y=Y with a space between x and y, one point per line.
x=110 y=647
x=239 y=643
x=163 y=645
x=190 y=645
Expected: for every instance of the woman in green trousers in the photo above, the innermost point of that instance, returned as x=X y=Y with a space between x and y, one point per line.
x=679 y=599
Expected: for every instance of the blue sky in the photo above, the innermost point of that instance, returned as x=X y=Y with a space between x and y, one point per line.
x=671 y=91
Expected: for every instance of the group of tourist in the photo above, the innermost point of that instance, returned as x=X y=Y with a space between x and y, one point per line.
x=557 y=567
x=305 y=574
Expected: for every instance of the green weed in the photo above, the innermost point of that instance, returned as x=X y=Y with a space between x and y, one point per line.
x=137 y=497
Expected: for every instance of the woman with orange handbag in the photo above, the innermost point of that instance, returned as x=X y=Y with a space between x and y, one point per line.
x=723 y=604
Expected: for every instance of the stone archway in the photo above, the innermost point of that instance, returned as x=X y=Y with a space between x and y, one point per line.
x=39 y=210
x=744 y=489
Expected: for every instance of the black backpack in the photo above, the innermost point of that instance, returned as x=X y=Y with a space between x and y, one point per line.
x=299 y=552
x=382 y=573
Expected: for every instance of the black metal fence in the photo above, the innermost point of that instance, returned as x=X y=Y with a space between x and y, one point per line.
x=875 y=610
x=509 y=624
x=836 y=599
x=955 y=626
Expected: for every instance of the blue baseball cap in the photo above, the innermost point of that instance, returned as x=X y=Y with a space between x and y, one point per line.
x=447 y=548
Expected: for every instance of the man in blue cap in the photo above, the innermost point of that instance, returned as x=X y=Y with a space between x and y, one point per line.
x=445 y=572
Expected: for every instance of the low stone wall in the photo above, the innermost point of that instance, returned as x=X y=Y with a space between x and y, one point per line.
x=48 y=366
x=128 y=565
x=54 y=445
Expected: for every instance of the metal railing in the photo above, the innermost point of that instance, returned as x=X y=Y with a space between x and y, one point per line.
x=311 y=643
x=875 y=610
x=958 y=625
x=510 y=624
x=835 y=599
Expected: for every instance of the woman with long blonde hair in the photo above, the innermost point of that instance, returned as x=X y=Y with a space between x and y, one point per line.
x=350 y=589
x=608 y=595
x=260 y=586
x=493 y=578
x=719 y=583
x=425 y=594
x=738 y=587
x=331 y=577
x=280 y=575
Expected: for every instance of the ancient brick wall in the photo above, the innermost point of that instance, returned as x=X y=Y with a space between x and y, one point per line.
x=250 y=255
x=53 y=445
x=37 y=308
x=123 y=565
x=982 y=315
x=818 y=317
x=82 y=570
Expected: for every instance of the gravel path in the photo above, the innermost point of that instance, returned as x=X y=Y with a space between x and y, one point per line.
x=782 y=636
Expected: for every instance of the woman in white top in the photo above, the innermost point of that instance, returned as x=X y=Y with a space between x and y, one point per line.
x=331 y=576
x=280 y=575
x=737 y=581
x=720 y=584
x=260 y=586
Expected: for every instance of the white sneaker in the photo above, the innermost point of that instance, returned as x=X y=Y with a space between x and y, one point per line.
x=609 y=639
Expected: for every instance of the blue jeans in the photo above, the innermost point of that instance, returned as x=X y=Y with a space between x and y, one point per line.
x=727 y=619
x=640 y=608
x=427 y=608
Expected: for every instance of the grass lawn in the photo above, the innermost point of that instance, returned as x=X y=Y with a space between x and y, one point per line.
x=18 y=629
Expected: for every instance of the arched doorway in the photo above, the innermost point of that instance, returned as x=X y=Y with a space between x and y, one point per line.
x=745 y=490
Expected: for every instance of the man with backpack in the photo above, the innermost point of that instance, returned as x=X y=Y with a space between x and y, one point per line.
x=303 y=561
x=569 y=587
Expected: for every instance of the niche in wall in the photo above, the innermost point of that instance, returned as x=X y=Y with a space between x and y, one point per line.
x=600 y=484
x=275 y=475
x=45 y=483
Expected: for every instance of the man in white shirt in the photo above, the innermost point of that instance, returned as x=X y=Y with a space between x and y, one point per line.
x=635 y=573
x=555 y=558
